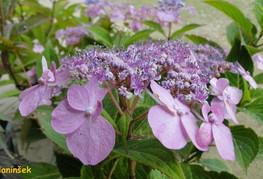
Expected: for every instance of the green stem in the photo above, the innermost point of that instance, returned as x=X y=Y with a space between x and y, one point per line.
x=132 y=167
x=169 y=31
x=52 y=18
x=113 y=168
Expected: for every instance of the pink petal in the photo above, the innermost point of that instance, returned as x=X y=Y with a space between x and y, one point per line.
x=205 y=110
x=93 y=141
x=219 y=85
x=231 y=111
x=204 y=136
x=218 y=110
x=224 y=142
x=233 y=94
x=65 y=119
x=31 y=99
x=163 y=95
x=44 y=64
x=79 y=97
x=97 y=93
x=28 y=91
x=167 y=127
x=190 y=126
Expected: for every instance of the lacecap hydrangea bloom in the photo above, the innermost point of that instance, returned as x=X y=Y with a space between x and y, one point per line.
x=176 y=73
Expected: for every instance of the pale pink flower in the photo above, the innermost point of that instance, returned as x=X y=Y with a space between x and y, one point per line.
x=89 y=136
x=38 y=48
x=213 y=128
x=247 y=76
x=172 y=122
x=227 y=96
x=259 y=60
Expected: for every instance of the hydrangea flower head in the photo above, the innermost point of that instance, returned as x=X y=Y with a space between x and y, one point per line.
x=89 y=136
x=213 y=128
x=172 y=122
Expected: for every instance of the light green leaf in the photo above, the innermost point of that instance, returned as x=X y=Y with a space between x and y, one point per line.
x=246 y=145
x=258 y=10
x=215 y=165
x=141 y=35
x=101 y=34
x=42 y=171
x=177 y=34
x=235 y=14
x=28 y=24
x=259 y=78
x=123 y=125
x=44 y=119
x=256 y=93
x=153 y=154
x=252 y=50
x=233 y=32
x=50 y=53
x=5 y=118
x=10 y=93
x=107 y=116
x=155 y=26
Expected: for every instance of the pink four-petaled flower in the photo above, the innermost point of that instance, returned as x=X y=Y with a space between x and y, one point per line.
x=89 y=136
x=172 y=122
x=213 y=128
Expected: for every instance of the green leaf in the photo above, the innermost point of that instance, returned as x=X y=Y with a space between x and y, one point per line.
x=5 y=118
x=10 y=93
x=258 y=10
x=260 y=151
x=42 y=171
x=155 y=26
x=252 y=50
x=256 y=93
x=156 y=174
x=153 y=154
x=177 y=34
x=50 y=53
x=7 y=6
x=44 y=119
x=107 y=116
x=6 y=82
x=123 y=125
x=233 y=32
x=141 y=35
x=201 y=40
x=235 y=14
x=91 y=172
x=198 y=172
x=108 y=105
x=246 y=145
x=255 y=109
x=28 y=24
x=239 y=53
x=214 y=165
x=101 y=34
x=259 y=78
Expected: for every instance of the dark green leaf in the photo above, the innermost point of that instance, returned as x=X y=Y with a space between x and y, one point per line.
x=44 y=119
x=123 y=125
x=108 y=105
x=239 y=53
x=198 y=172
x=153 y=154
x=107 y=116
x=255 y=109
x=155 y=26
x=10 y=93
x=50 y=53
x=235 y=14
x=91 y=172
x=214 y=165
x=259 y=78
x=101 y=34
x=177 y=34
x=68 y=165
x=7 y=6
x=138 y=36
x=246 y=145
x=260 y=151
x=42 y=171
x=201 y=40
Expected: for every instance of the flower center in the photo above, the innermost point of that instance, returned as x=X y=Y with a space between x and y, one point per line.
x=89 y=110
x=212 y=118
x=180 y=112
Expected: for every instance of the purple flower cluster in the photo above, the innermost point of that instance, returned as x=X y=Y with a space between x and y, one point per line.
x=72 y=35
x=167 y=11
x=132 y=70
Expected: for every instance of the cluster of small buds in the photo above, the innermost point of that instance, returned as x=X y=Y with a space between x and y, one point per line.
x=72 y=35
x=131 y=70
x=120 y=27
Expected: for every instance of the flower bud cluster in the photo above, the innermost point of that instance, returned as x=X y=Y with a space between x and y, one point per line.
x=72 y=35
x=181 y=68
